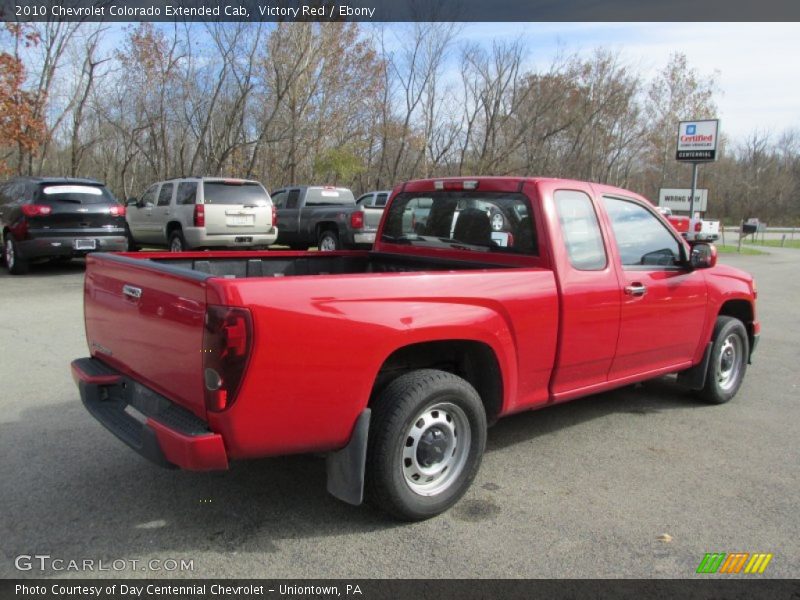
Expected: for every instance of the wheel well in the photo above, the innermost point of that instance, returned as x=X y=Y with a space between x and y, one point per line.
x=742 y=310
x=327 y=226
x=172 y=226
x=473 y=361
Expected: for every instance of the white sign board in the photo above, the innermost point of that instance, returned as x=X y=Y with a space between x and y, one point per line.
x=697 y=140
x=678 y=199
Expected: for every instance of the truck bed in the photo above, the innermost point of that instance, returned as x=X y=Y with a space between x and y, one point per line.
x=286 y=264
x=147 y=317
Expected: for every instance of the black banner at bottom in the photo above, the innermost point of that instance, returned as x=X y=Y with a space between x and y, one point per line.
x=371 y=589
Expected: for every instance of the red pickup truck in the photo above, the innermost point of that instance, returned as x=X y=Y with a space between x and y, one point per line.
x=393 y=361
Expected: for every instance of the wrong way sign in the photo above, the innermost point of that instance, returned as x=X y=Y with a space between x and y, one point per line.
x=678 y=199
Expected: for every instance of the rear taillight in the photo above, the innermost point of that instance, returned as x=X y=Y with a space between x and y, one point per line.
x=274 y=215
x=698 y=226
x=227 y=341
x=199 y=215
x=36 y=210
x=357 y=220
x=117 y=211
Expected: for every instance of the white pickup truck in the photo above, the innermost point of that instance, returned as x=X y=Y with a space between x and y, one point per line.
x=701 y=230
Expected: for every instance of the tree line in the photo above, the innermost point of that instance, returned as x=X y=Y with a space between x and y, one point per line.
x=364 y=107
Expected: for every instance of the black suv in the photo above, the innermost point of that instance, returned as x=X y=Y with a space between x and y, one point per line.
x=57 y=217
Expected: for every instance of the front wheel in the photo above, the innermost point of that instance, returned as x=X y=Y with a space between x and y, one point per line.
x=728 y=363
x=328 y=241
x=426 y=440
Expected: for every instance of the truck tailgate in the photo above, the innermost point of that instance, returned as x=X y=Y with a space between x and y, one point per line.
x=372 y=218
x=146 y=320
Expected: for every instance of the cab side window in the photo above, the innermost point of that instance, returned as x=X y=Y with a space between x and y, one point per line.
x=149 y=197
x=294 y=197
x=279 y=199
x=642 y=239
x=187 y=193
x=380 y=200
x=165 y=195
x=581 y=230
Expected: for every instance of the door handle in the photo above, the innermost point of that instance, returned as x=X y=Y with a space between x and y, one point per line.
x=132 y=292
x=636 y=289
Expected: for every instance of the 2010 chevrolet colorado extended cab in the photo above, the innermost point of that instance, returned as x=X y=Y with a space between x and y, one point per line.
x=394 y=360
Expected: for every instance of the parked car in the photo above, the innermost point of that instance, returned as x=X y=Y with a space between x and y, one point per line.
x=324 y=216
x=202 y=212
x=418 y=344
x=57 y=218
x=374 y=199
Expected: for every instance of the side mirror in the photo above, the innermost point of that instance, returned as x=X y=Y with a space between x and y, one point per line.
x=704 y=256
x=130 y=201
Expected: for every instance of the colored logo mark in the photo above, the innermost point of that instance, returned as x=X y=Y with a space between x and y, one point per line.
x=736 y=562
x=691 y=129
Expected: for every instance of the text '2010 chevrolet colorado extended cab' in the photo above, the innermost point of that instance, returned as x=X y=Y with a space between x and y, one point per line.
x=394 y=360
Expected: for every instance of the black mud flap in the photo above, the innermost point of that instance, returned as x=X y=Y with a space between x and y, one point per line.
x=695 y=377
x=346 y=466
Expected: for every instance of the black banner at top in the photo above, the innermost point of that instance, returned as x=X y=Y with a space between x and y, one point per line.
x=401 y=10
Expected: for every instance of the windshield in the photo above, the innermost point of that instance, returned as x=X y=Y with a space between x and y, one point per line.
x=224 y=192
x=482 y=222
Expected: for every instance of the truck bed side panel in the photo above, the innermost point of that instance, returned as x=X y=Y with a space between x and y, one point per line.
x=320 y=343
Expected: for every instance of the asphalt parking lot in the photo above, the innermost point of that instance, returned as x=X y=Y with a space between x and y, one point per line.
x=580 y=490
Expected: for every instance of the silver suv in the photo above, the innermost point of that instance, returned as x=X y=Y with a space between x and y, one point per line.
x=202 y=212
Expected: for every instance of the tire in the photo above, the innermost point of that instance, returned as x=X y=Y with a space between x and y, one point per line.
x=177 y=243
x=328 y=241
x=728 y=363
x=14 y=264
x=408 y=472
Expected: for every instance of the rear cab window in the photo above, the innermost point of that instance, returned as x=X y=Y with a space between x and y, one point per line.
x=328 y=196
x=235 y=192
x=475 y=221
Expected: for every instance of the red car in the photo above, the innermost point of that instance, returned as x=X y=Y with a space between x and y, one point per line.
x=394 y=361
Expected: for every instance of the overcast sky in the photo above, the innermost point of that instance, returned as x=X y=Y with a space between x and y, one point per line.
x=757 y=65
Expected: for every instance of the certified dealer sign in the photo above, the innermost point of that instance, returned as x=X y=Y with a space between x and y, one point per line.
x=697 y=140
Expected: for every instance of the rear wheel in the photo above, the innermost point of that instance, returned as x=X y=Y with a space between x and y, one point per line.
x=177 y=243
x=328 y=241
x=15 y=264
x=426 y=440
x=728 y=363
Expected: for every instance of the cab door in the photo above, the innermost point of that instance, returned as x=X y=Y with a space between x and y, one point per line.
x=139 y=215
x=289 y=219
x=589 y=294
x=161 y=213
x=663 y=307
